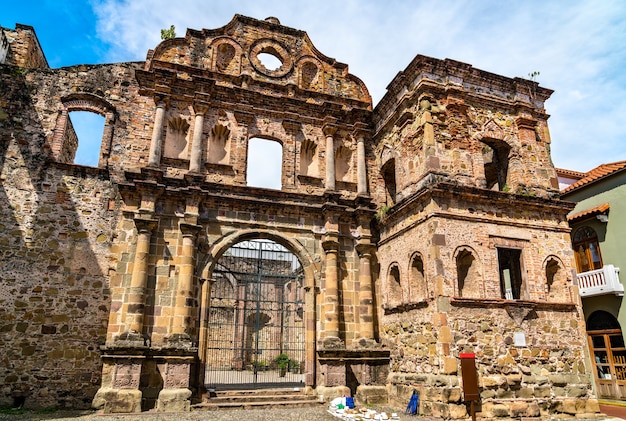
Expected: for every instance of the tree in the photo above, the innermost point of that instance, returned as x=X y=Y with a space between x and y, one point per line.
x=168 y=33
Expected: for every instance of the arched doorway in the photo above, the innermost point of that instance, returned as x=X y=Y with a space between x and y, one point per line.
x=608 y=354
x=256 y=325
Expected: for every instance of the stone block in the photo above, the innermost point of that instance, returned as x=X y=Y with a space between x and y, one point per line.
x=592 y=406
x=495 y=410
x=576 y=391
x=457 y=411
x=450 y=365
x=113 y=401
x=371 y=395
x=174 y=400
x=574 y=406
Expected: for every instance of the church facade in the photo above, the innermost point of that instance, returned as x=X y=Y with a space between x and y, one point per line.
x=395 y=238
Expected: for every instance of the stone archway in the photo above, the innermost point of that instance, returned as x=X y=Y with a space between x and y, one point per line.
x=254 y=314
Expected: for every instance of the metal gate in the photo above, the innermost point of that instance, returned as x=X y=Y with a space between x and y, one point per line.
x=256 y=332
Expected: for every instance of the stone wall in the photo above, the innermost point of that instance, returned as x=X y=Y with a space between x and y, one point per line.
x=107 y=271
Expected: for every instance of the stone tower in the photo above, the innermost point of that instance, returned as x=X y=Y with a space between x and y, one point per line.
x=418 y=230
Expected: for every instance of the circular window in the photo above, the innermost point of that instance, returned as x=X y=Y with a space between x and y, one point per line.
x=270 y=58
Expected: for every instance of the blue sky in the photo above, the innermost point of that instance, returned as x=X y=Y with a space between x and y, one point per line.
x=577 y=46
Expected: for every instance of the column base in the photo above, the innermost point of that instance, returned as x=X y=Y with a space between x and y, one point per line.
x=113 y=401
x=367 y=343
x=333 y=342
x=174 y=400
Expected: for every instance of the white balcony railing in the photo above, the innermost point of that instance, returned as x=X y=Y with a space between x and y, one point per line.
x=600 y=282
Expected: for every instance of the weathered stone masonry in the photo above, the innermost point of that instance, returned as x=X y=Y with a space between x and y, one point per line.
x=426 y=227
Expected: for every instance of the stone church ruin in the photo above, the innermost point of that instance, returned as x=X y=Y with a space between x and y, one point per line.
x=401 y=235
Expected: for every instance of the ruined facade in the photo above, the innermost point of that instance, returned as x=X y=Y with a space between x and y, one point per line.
x=420 y=229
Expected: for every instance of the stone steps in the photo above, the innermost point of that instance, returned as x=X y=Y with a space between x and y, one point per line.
x=258 y=399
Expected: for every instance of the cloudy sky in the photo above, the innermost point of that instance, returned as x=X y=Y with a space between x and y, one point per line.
x=577 y=46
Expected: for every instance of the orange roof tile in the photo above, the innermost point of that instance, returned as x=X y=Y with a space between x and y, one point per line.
x=596 y=174
x=603 y=208
x=562 y=172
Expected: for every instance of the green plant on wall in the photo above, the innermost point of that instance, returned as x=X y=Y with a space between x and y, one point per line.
x=168 y=33
x=382 y=211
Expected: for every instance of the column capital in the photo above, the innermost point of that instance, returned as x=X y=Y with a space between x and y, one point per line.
x=330 y=243
x=360 y=130
x=189 y=230
x=200 y=107
x=291 y=126
x=364 y=249
x=329 y=129
x=145 y=226
x=161 y=100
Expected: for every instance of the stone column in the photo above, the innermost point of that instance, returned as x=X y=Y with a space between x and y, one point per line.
x=329 y=130
x=195 y=163
x=154 y=159
x=137 y=291
x=330 y=308
x=366 y=301
x=361 y=165
x=182 y=327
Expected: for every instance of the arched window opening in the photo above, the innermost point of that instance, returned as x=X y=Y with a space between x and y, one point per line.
x=256 y=317
x=418 y=290
x=394 y=286
x=265 y=163
x=496 y=161
x=587 y=250
x=388 y=172
x=556 y=280
x=467 y=275
x=85 y=134
x=602 y=320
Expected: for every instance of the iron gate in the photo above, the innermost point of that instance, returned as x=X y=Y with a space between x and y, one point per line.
x=256 y=318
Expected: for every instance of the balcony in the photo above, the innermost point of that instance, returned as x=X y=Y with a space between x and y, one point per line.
x=600 y=282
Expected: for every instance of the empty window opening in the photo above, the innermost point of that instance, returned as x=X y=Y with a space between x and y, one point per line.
x=418 y=285
x=395 y=288
x=509 y=262
x=467 y=275
x=269 y=61
x=496 y=160
x=88 y=128
x=265 y=163
x=389 y=176
x=587 y=250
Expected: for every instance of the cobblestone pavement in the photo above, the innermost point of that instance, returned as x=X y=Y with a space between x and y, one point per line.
x=282 y=414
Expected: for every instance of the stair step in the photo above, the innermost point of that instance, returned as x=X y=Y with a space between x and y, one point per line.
x=208 y=405
x=258 y=398
x=261 y=398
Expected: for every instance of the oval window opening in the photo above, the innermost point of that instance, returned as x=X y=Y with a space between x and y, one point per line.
x=270 y=61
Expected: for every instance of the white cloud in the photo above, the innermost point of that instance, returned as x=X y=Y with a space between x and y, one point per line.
x=577 y=46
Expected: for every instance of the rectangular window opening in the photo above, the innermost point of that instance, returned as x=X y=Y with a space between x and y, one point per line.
x=510 y=267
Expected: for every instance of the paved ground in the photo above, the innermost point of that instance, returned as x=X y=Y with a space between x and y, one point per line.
x=297 y=414
x=611 y=409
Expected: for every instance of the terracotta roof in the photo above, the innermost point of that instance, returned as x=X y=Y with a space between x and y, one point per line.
x=596 y=174
x=562 y=172
x=603 y=208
